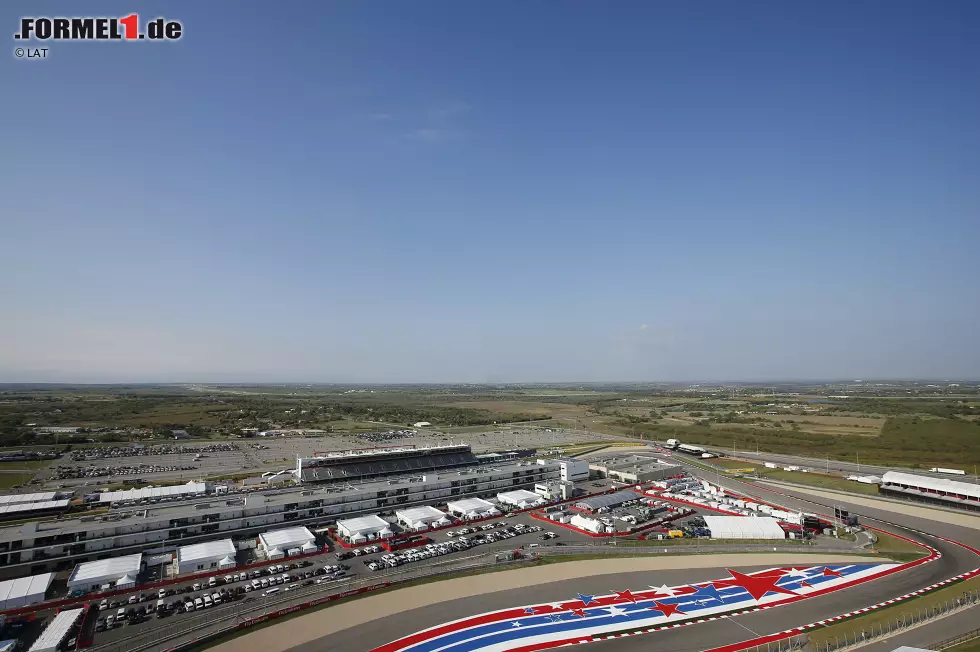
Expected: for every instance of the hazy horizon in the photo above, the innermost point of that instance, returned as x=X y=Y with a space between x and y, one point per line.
x=487 y=193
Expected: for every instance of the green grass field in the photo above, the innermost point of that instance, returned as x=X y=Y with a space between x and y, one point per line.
x=822 y=481
x=30 y=464
x=14 y=478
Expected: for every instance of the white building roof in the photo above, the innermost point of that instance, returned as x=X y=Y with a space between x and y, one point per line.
x=153 y=492
x=57 y=629
x=23 y=591
x=105 y=570
x=744 y=527
x=518 y=496
x=469 y=505
x=207 y=551
x=286 y=538
x=363 y=524
x=932 y=484
x=423 y=514
x=41 y=497
x=30 y=507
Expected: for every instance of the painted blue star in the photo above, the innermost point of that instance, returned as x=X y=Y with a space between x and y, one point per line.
x=529 y=610
x=706 y=593
x=555 y=618
x=587 y=599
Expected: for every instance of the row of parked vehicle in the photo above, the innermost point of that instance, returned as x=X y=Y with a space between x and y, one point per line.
x=392 y=560
x=69 y=472
x=341 y=555
x=106 y=452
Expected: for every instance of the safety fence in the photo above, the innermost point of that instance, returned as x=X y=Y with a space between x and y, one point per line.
x=956 y=640
x=875 y=629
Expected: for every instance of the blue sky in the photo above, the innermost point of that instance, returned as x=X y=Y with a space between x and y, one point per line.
x=507 y=191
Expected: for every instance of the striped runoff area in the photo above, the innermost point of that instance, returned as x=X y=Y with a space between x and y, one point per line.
x=586 y=618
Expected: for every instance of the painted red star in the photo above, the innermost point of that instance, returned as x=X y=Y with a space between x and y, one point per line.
x=625 y=595
x=579 y=612
x=830 y=572
x=805 y=583
x=756 y=585
x=666 y=608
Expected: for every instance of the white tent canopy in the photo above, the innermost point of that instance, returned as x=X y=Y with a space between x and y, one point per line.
x=56 y=631
x=24 y=591
x=204 y=556
x=469 y=506
x=93 y=574
x=153 y=492
x=276 y=553
x=415 y=516
x=293 y=537
x=744 y=527
x=363 y=525
x=520 y=497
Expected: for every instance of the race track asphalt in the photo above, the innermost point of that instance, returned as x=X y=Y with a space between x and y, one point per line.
x=955 y=559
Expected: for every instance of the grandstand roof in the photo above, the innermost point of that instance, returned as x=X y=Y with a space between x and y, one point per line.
x=932 y=484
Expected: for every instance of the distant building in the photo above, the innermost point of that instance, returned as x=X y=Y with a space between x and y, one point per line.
x=422 y=424
x=179 y=434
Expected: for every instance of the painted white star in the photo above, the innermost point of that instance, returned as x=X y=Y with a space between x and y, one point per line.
x=555 y=605
x=515 y=624
x=665 y=590
x=797 y=572
x=616 y=611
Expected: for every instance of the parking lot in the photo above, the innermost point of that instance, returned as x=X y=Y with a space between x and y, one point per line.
x=113 y=464
x=310 y=573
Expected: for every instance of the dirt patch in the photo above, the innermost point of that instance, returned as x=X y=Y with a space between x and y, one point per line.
x=309 y=627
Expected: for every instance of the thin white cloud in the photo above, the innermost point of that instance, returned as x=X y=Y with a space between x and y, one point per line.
x=433 y=135
x=447 y=111
x=381 y=117
x=643 y=327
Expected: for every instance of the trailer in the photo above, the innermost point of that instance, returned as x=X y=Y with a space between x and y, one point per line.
x=948 y=471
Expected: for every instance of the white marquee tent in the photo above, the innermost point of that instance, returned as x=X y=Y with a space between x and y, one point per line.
x=364 y=527
x=520 y=498
x=54 y=634
x=24 y=591
x=420 y=518
x=472 y=507
x=292 y=538
x=115 y=572
x=206 y=556
x=744 y=527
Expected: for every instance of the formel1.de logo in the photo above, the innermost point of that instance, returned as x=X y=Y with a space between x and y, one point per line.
x=126 y=28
